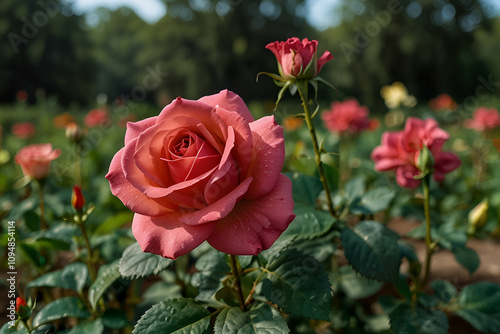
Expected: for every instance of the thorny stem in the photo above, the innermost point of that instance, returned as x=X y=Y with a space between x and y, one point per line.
x=429 y=245
x=90 y=263
x=302 y=88
x=43 y=225
x=25 y=323
x=236 y=274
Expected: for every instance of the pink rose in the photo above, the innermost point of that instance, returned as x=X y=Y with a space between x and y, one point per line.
x=347 y=117
x=204 y=170
x=23 y=130
x=483 y=119
x=400 y=149
x=97 y=117
x=294 y=57
x=35 y=160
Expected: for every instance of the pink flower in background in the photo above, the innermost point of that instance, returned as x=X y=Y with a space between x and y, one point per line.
x=400 y=149
x=483 y=119
x=97 y=117
x=23 y=130
x=204 y=170
x=294 y=56
x=442 y=102
x=347 y=117
x=35 y=160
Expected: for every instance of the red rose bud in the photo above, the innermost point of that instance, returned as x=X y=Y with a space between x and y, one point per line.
x=22 y=309
x=298 y=59
x=77 y=199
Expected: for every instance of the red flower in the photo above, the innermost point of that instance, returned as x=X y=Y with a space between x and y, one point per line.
x=347 y=117
x=400 y=150
x=21 y=96
x=483 y=119
x=97 y=117
x=23 y=130
x=20 y=302
x=77 y=199
x=442 y=102
x=298 y=59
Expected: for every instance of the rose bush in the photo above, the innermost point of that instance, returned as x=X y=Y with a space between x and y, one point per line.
x=347 y=117
x=483 y=119
x=298 y=59
x=35 y=160
x=204 y=170
x=400 y=150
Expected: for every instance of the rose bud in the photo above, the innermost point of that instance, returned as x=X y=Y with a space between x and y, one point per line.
x=74 y=132
x=22 y=309
x=77 y=199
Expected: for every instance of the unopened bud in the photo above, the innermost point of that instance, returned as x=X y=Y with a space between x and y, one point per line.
x=479 y=215
x=74 y=132
x=22 y=309
x=77 y=199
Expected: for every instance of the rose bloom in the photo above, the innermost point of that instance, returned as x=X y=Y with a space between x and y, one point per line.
x=483 y=119
x=35 y=160
x=400 y=150
x=347 y=117
x=442 y=102
x=97 y=117
x=204 y=170
x=23 y=130
x=396 y=95
x=294 y=56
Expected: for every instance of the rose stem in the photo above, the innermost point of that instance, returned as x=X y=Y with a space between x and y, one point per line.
x=90 y=263
x=302 y=88
x=43 y=225
x=430 y=246
x=236 y=274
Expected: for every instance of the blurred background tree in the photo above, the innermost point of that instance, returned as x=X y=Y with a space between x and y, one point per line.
x=433 y=46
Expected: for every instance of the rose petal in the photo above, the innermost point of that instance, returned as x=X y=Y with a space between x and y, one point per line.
x=229 y=101
x=253 y=226
x=135 y=129
x=267 y=158
x=166 y=236
x=219 y=209
x=326 y=57
x=226 y=177
x=130 y=196
x=242 y=152
x=405 y=174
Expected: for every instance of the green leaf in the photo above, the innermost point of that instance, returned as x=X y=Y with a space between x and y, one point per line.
x=102 y=283
x=32 y=220
x=134 y=263
x=94 y=327
x=261 y=320
x=115 y=318
x=408 y=251
x=444 y=290
x=468 y=258
x=373 y=201
x=479 y=304
x=113 y=223
x=309 y=222
x=212 y=267
x=73 y=276
x=404 y=319
x=62 y=308
x=372 y=250
x=298 y=284
x=305 y=189
x=321 y=248
x=355 y=188
x=356 y=286
x=175 y=316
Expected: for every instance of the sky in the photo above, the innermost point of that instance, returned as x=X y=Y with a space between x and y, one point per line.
x=151 y=10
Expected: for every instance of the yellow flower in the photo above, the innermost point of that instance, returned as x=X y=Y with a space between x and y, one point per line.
x=396 y=95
